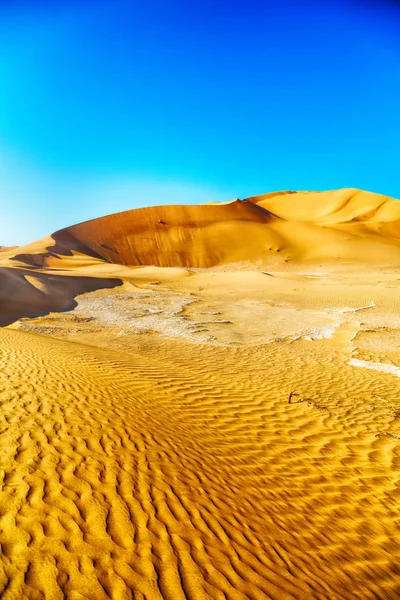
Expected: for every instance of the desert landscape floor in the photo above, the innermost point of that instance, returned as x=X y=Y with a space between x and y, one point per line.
x=205 y=434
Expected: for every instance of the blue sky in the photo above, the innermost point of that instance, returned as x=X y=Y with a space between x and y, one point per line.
x=110 y=105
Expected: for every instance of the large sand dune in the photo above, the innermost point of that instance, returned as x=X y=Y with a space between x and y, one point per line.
x=219 y=416
x=347 y=225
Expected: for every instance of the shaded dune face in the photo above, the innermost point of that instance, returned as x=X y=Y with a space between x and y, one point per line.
x=64 y=244
x=166 y=236
x=24 y=293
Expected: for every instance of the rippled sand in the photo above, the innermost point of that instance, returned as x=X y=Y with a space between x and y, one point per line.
x=153 y=462
x=218 y=425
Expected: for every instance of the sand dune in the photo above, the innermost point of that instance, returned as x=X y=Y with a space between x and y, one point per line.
x=344 y=225
x=281 y=230
x=301 y=226
x=202 y=402
x=25 y=293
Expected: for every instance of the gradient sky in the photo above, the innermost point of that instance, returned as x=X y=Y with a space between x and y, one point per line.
x=110 y=105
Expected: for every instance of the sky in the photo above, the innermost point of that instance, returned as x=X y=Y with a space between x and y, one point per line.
x=111 y=105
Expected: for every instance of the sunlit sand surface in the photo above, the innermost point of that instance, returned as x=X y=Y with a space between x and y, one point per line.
x=222 y=425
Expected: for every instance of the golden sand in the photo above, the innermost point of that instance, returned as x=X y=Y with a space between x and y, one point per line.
x=221 y=424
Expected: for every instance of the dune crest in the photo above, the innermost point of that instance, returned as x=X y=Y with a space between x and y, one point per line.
x=348 y=225
x=255 y=229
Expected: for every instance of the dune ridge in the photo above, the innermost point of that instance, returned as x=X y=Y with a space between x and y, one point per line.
x=341 y=224
x=253 y=229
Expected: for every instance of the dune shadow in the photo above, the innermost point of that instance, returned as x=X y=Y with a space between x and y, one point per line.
x=29 y=293
x=65 y=244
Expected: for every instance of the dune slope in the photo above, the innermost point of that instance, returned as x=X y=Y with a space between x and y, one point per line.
x=188 y=236
x=25 y=293
x=344 y=225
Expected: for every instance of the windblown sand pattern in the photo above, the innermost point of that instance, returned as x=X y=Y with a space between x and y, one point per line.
x=199 y=433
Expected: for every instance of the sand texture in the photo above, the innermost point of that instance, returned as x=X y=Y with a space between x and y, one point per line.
x=222 y=422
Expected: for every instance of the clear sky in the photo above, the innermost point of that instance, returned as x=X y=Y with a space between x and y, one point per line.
x=111 y=105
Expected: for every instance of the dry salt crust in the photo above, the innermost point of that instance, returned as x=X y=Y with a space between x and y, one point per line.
x=347 y=309
x=166 y=314
x=383 y=368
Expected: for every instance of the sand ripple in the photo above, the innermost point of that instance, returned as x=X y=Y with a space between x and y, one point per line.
x=123 y=477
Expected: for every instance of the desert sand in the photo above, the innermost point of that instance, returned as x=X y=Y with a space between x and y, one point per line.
x=203 y=402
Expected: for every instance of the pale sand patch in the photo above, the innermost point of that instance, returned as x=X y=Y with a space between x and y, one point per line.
x=323 y=333
x=374 y=366
x=358 y=308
